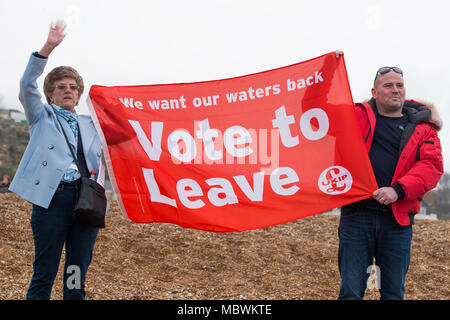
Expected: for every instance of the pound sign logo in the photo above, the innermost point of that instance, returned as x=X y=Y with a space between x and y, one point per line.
x=335 y=180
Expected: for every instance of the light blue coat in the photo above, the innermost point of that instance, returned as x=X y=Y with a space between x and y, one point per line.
x=47 y=155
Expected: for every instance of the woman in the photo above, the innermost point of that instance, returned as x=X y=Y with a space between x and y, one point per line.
x=48 y=177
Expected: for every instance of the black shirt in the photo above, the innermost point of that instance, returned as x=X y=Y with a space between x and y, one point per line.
x=384 y=153
x=385 y=148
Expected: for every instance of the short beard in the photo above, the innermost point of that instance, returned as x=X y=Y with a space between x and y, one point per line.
x=392 y=108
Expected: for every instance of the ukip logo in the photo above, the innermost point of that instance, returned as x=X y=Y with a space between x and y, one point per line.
x=335 y=180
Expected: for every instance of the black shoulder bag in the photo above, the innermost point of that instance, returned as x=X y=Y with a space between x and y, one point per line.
x=91 y=204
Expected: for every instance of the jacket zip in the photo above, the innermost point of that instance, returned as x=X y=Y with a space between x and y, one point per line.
x=367 y=135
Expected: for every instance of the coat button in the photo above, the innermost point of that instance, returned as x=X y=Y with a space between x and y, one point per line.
x=50 y=146
x=36 y=182
x=99 y=154
x=44 y=163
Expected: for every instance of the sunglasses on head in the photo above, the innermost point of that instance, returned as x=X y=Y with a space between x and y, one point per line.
x=385 y=70
x=72 y=87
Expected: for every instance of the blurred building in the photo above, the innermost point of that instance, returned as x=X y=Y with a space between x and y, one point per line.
x=16 y=115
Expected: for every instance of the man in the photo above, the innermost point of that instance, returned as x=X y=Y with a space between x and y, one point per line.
x=4 y=184
x=405 y=153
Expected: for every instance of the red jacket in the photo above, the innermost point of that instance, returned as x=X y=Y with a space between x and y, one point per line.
x=420 y=165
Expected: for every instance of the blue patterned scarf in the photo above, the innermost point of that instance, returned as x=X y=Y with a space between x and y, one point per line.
x=72 y=172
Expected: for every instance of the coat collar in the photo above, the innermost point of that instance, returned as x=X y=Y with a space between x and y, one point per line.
x=86 y=131
x=416 y=112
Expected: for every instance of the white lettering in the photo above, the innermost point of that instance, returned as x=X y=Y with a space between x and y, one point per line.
x=155 y=194
x=255 y=194
x=231 y=141
x=129 y=103
x=302 y=83
x=231 y=97
x=205 y=101
x=184 y=194
x=306 y=127
x=252 y=94
x=260 y=309
x=74 y=280
x=154 y=104
x=282 y=122
x=221 y=192
x=189 y=145
x=153 y=148
x=194 y=310
x=225 y=188
x=278 y=183
x=318 y=77
x=167 y=104
x=207 y=135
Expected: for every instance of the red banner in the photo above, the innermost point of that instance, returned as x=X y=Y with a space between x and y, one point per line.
x=235 y=154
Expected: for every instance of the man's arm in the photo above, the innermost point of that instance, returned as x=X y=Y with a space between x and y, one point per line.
x=421 y=177
x=424 y=175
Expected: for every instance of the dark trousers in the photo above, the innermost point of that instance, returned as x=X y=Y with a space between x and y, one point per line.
x=365 y=234
x=52 y=228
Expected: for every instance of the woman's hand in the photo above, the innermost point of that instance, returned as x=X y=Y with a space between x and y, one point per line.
x=55 y=36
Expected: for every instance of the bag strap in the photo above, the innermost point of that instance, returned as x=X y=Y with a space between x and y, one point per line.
x=68 y=144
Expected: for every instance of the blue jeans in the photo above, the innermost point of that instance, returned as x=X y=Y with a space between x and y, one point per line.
x=365 y=234
x=52 y=228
